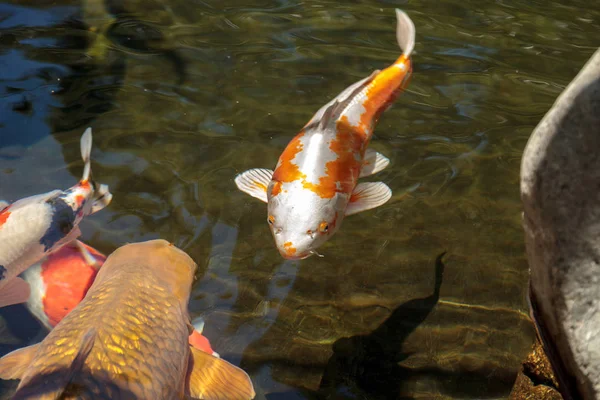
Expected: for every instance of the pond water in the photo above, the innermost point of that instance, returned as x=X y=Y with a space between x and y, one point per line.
x=184 y=94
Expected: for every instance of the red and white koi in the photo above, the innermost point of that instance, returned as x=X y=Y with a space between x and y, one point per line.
x=33 y=227
x=61 y=280
x=314 y=185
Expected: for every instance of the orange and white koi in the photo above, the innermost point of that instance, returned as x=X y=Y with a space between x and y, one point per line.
x=36 y=226
x=60 y=281
x=314 y=185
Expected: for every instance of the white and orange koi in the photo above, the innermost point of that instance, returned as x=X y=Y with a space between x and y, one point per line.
x=36 y=226
x=314 y=185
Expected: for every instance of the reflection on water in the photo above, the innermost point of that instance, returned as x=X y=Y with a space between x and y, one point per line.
x=183 y=95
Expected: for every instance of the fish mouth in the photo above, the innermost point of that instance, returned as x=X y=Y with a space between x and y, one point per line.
x=300 y=256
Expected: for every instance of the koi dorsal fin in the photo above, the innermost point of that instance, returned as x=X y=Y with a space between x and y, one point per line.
x=336 y=107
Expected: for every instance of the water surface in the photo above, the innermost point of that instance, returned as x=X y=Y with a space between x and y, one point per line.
x=183 y=95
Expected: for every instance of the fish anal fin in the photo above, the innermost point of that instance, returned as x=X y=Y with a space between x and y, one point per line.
x=373 y=163
x=14 y=292
x=255 y=182
x=14 y=364
x=368 y=195
x=211 y=378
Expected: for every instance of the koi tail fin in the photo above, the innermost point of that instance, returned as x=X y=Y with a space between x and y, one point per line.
x=102 y=197
x=86 y=151
x=405 y=33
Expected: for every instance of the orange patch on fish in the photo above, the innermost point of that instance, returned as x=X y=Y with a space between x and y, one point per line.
x=276 y=188
x=382 y=92
x=260 y=186
x=200 y=342
x=79 y=199
x=289 y=249
x=4 y=216
x=67 y=278
x=341 y=173
x=287 y=171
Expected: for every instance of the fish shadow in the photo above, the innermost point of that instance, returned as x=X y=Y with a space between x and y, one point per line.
x=369 y=364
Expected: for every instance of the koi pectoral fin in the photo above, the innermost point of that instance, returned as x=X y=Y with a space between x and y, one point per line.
x=212 y=378
x=14 y=364
x=16 y=291
x=3 y=204
x=255 y=182
x=56 y=379
x=368 y=195
x=87 y=256
x=373 y=163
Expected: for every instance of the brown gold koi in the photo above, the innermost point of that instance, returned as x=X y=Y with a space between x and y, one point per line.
x=128 y=338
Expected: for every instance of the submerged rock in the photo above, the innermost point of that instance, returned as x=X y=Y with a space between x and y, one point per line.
x=560 y=190
x=536 y=379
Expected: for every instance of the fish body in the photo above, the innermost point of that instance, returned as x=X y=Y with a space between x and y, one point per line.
x=34 y=227
x=128 y=338
x=61 y=280
x=315 y=183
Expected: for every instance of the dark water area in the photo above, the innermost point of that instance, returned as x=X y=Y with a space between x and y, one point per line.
x=183 y=95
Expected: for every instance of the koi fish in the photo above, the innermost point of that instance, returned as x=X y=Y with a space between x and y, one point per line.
x=60 y=281
x=314 y=185
x=34 y=227
x=128 y=338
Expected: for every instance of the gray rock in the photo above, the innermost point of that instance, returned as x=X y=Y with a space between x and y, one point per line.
x=560 y=190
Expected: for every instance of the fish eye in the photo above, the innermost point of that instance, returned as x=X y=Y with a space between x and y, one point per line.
x=271 y=219
x=323 y=227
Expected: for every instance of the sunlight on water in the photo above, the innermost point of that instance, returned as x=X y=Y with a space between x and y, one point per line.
x=184 y=95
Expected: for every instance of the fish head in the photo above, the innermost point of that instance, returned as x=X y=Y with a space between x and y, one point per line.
x=79 y=198
x=301 y=221
x=170 y=265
